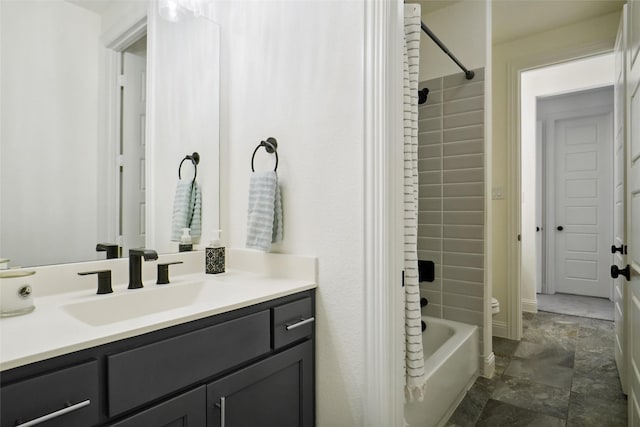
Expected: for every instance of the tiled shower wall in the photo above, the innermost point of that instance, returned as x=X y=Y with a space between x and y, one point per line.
x=451 y=205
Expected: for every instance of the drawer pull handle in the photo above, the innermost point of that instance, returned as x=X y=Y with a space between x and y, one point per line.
x=55 y=414
x=222 y=405
x=300 y=323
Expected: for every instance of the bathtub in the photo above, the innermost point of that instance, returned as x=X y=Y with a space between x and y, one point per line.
x=451 y=366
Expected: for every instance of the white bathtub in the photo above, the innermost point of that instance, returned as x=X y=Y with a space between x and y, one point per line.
x=451 y=367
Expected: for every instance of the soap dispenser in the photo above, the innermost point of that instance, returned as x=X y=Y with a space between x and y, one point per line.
x=185 y=241
x=214 y=258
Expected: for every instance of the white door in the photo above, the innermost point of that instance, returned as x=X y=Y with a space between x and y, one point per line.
x=633 y=210
x=132 y=190
x=583 y=204
x=619 y=238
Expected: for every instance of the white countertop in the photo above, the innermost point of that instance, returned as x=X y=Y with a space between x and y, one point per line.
x=51 y=330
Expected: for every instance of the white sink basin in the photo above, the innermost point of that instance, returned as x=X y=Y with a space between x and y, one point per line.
x=134 y=303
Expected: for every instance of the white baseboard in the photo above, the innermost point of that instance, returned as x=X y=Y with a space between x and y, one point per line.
x=489 y=365
x=529 y=305
x=499 y=329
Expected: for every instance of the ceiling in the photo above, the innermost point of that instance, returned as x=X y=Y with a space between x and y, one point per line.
x=513 y=19
x=428 y=6
x=97 y=6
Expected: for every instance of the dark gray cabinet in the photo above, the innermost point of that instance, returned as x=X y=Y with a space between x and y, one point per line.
x=162 y=367
x=66 y=397
x=248 y=367
x=185 y=410
x=277 y=391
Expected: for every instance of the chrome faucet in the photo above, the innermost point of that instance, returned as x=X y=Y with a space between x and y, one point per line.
x=135 y=265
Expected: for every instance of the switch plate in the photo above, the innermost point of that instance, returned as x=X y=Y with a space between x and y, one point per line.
x=497 y=193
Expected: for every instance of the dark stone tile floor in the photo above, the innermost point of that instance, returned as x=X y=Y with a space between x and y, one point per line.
x=562 y=373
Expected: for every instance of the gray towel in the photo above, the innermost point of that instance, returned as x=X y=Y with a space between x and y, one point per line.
x=187 y=210
x=264 y=225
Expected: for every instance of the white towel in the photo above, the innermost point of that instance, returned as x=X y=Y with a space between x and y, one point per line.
x=264 y=223
x=187 y=210
x=414 y=362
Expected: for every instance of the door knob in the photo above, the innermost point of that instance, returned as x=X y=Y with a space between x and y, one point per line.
x=626 y=272
x=559 y=228
x=620 y=249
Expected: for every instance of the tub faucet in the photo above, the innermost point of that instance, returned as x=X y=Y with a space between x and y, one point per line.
x=135 y=265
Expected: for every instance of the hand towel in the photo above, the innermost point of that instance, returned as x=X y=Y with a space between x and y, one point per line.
x=187 y=210
x=264 y=224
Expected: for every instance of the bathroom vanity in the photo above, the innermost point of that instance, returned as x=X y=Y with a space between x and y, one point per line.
x=242 y=354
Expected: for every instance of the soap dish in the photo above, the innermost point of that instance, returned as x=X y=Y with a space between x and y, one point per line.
x=19 y=312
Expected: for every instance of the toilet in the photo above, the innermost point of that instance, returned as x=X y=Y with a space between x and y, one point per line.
x=495 y=306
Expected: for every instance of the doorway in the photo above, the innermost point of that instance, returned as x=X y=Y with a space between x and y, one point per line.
x=576 y=195
x=566 y=176
x=132 y=142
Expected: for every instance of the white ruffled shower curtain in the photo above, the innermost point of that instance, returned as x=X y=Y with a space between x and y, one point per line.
x=414 y=358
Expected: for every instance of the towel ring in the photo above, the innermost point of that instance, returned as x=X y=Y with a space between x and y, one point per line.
x=271 y=145
x=195 y=159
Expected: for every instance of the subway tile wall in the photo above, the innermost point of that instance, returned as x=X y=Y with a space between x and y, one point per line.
x=451 y=205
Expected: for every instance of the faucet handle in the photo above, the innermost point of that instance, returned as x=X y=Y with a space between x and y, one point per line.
x=112 y=250
x=163 y=272
x=104 y=280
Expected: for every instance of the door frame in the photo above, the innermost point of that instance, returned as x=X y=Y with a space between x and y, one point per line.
x=383 y=387
x=513 y=183
x=114 y=42
x=548 y=190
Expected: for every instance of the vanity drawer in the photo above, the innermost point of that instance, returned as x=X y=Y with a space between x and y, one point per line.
x=68 y=397
x=292 y=321
x=149 y=372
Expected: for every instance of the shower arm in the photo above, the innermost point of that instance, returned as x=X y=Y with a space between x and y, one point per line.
x=467 y=73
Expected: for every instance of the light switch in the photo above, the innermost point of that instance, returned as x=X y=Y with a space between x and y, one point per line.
x=497 y=193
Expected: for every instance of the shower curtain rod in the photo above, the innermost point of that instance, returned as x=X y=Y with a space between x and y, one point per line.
x=467 y=73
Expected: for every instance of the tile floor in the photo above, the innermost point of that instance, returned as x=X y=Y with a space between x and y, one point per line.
x=562 y=373
x=577 y=305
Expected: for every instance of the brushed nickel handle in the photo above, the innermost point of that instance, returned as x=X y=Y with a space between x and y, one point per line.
x=300 y=323
x=55 y=414
x=222 y=405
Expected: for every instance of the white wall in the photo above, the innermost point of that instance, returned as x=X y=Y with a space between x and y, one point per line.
x=122 y=11
x=284 y=76
x=183 y=113
x=462 y=27
x=48 y=131
x=592 y=72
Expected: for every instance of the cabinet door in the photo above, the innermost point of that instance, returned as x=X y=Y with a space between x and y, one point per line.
x=277 y=391
x=186 y=410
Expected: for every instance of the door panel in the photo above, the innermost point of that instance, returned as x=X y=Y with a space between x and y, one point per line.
x=277 y=391
x=619 y=213
x=633 y=214
x=134 y=106
x=583 y=203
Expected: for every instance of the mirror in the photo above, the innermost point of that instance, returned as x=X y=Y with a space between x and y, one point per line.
x=68 y=122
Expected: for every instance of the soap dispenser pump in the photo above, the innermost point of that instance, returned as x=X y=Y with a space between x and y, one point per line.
x=214 y=255
x=186 y=243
